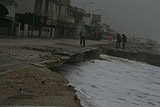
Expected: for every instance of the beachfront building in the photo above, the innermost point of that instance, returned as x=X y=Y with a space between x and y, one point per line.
x=37 y=17
x=52 y=13
x=80 y=13
x=62 y=17
x=96 y=27
x=87 y=19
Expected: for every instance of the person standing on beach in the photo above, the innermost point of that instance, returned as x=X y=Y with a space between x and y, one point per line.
x=124 y=40
x=118 y=43
x=83 y=35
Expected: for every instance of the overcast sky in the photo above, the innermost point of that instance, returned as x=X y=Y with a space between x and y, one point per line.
x=132 y=17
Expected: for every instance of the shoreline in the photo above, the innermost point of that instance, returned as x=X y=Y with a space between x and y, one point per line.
x=36 y=81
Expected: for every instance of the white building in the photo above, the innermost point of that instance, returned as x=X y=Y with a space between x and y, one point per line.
x=87 y=19
x=52 y=15
x=53 y=10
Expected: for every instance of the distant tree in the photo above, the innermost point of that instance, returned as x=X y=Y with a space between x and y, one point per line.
x=3 y=10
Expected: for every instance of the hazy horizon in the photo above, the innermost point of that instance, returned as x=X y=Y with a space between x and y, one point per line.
x=132 y=17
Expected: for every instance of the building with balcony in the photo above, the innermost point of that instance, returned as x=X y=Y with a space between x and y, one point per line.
x=65 y=19
x=41 y=17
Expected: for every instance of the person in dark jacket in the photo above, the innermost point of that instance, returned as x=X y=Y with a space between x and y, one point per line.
x=124 y=40
x=118 y=43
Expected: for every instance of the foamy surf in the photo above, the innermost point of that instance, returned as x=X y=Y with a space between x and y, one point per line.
x=115 y=82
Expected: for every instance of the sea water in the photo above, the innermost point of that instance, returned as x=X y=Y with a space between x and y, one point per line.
x=115 y=82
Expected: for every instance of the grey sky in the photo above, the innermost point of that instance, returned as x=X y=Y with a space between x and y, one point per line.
x=132 y=17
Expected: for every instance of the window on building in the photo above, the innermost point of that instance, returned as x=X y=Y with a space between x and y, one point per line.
x=22 y=27
x=37 y=29
x=29 y=27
